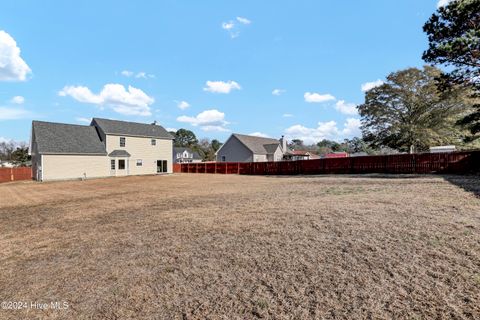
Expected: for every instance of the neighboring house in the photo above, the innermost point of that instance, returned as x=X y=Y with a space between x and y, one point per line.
x=185 y=155
x=244 y=148
x=295 y=155
x=102 y=149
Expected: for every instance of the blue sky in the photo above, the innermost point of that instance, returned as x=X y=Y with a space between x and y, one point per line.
x=214 y=67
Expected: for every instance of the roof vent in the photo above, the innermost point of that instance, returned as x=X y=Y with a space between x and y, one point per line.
x=154 y=123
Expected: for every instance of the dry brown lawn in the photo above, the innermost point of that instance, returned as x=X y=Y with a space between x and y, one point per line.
x=243 y=247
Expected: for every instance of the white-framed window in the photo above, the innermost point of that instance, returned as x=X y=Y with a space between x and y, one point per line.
x=179 y=155
x=139 y=162
x=122 y=141
x=112 y=164
x=153 y=142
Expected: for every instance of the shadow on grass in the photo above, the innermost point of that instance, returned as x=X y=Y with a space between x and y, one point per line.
x=470 y=183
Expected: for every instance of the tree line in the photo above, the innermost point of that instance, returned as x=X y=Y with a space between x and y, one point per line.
x=417 y=108
x=15 y=152
x=205 y=147
x=414 y=108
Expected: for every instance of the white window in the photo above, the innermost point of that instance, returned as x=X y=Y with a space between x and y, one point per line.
x=139 y=163
x=122 y=141
x=154 y=142
x=179 y=155
x=112 y=164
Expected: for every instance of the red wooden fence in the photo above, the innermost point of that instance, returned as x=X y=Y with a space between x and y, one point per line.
x=15 y=174
x=456 y=162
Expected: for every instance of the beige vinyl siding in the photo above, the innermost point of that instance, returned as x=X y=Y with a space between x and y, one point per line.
x=259 y=158
x=278 y=155
x=140 y=148
x=62 y=167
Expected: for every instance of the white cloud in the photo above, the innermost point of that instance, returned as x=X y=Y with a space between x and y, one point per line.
x=127 y=102
x=18 y=100
x=182 y=104
x=233 y=28
x=12 y=66
x=346 y=108
x=171 y=129
x=370 y=85
x=127 y=73
x=278 y=92
x=317 y=98
x=324 y=130
x=138 y=75
x=208 y=120
x=13 y=113
x=259 y=134
x=228 y=25
x=351 y=127
x=221 y=86
x=443 y=3
x=144 y=75
x=287 y=115
x=243 y=20
x=83 y=120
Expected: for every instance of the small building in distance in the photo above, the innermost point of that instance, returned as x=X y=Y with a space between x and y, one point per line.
x=295 y=155
x=185 y=155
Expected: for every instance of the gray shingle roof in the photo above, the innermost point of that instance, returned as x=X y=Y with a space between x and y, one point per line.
x=258 y=145
x=181 y=149
x=60 y=138
x=131 y=128
x=119 y=153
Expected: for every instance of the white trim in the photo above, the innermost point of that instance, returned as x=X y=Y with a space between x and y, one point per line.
x=41 y=161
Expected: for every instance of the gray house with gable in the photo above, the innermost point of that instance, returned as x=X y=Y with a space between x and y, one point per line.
x=245 y=148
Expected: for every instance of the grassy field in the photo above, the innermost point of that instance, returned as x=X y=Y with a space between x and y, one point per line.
x=243 y=247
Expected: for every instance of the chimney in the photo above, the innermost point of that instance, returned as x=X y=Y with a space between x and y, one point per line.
x=154 y=123
x=283 y=143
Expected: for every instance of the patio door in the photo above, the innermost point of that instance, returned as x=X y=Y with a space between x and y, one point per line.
x=162 y=166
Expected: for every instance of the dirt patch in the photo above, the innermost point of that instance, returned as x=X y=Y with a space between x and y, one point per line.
x=243 y=247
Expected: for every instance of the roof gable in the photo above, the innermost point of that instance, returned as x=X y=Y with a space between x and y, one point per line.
x=126 y=128
x=258 y=145
x=60 y=138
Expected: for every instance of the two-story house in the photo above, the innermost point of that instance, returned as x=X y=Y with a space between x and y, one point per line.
x=104 y=148
x=185 y=155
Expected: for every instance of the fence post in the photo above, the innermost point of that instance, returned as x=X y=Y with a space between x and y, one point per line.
x=11 y=174
x=414 y=163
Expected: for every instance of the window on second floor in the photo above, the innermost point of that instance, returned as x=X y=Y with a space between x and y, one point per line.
x=154 y=142
x=122 y=141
